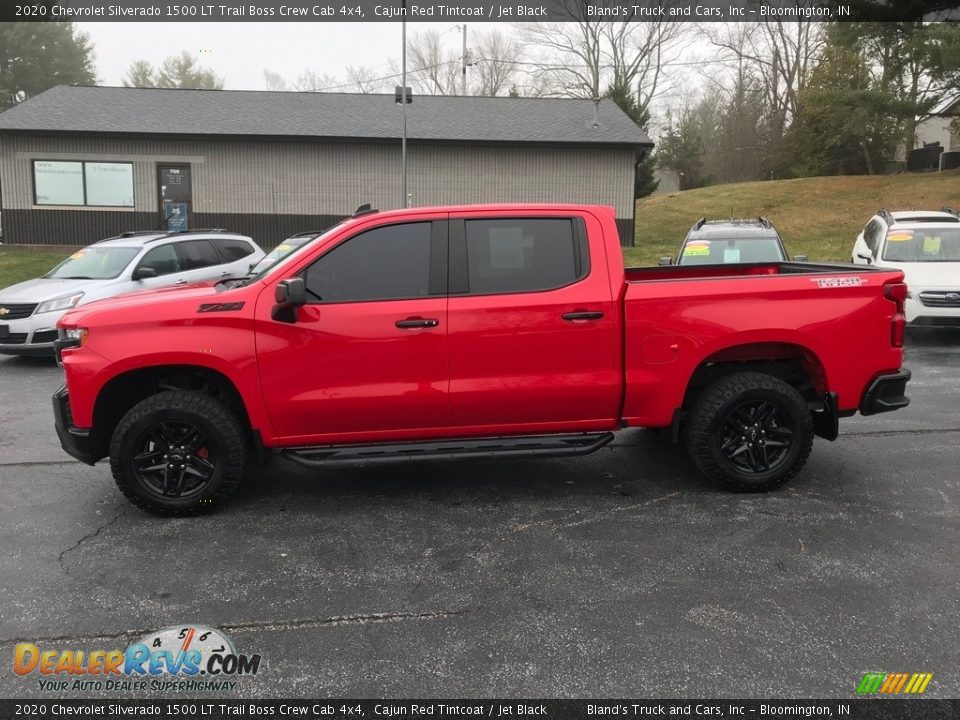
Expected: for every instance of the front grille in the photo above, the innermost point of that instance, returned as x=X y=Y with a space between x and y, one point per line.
x=941 y=298
x=13 y=339
x=45 y=336
x=935 y=322
x=16 y=311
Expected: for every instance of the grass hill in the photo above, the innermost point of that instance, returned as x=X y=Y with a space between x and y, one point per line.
x=818 y=217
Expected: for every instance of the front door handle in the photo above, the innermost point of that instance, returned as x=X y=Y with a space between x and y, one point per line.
x=182 y=281
x=583 y=315
x=417 y=322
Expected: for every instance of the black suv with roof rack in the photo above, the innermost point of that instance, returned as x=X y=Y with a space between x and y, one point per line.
x=731 y=241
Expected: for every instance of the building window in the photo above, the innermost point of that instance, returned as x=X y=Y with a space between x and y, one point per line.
x=91 y=184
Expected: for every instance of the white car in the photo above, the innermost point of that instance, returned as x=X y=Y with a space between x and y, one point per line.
x=926 y=246
x=129 y=262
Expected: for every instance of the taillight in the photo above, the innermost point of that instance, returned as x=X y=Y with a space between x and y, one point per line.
x=897 y=293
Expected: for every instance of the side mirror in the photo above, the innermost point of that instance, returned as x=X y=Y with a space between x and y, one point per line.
x=868 y=256
x=290 y=294
x=143 y=272
x=800 y=258
x=665 y=261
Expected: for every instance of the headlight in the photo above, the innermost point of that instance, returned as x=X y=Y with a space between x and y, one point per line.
x=77 y=334
x=64 y=303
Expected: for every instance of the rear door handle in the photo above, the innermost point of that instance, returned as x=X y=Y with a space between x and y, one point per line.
x=182 y=281
x=417 y=323
x=583 y=315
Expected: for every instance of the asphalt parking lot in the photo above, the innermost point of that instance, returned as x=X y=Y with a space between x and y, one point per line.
x=622 y=574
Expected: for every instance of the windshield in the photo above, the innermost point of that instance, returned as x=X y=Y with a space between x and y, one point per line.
x=292 y=246
x=927 y=245
x=94 y=263
x=727 y=251
x=287 y=247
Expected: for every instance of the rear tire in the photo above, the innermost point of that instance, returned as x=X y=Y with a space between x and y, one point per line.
x=178 y=453
x=750 y=432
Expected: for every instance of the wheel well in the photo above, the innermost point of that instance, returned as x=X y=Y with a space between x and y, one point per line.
x=124 y=391
x=793 y=364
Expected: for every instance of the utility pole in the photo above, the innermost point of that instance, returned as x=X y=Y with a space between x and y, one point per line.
x=403 y=104
x=463 y=58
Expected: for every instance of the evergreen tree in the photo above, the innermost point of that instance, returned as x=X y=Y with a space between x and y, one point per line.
x=644 y=182
x=35 y=56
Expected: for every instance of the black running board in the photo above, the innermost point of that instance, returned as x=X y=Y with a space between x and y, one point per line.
x=527 y=445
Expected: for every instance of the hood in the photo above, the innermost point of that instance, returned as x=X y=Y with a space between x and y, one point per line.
x=934 y=275
x=42 y=289
x=195 y=291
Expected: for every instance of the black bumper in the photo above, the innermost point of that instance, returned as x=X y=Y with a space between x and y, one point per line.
x=77 y=443
x=886 y=393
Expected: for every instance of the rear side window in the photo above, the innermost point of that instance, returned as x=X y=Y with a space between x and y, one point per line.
x=524 y=254
x=195 y=254
x=163 y=259
x=232 y=250
x=386 y=263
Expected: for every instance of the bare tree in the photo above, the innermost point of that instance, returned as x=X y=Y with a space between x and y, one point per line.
x=781 y=53
x=432 y=69
x=586 y=58
x=312 y=81
x=274 y=81
x=496 y=69
x=366 y=80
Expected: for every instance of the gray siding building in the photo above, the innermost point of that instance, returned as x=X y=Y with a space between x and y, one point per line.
x=78 y=164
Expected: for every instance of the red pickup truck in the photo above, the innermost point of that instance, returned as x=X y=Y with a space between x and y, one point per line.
x=474 y=331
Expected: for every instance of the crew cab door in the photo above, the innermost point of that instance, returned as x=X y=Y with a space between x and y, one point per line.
x=365 y=359
x=532 y=324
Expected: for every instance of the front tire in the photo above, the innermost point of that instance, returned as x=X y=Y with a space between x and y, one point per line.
x=178 y=453
x=750 y=432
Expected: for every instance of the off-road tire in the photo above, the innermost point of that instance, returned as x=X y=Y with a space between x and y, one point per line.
x=714 y=408
x=224 y=435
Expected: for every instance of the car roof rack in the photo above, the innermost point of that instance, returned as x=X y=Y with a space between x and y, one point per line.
x=950 y=210
x=765 y=222
x=365 y=209
x=885 y=214
x=178 y=233
x=129 y=234
x=699 y=223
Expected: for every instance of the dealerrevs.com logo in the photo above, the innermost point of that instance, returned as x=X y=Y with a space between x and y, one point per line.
x=894 y=683
x=189 y=657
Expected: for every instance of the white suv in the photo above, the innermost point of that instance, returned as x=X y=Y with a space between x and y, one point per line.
x=926 y=246
x=129 y=262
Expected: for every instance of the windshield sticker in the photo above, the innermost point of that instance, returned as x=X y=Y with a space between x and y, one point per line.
x=282 y=249
x=900 y=236
x=931 y=245
x=731 y=255
x=835 y=282
x=699 y=248
x=78 y=254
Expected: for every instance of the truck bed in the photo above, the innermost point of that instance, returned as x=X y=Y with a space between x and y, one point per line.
x=686 y=272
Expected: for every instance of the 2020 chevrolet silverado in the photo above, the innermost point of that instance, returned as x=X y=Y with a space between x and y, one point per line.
x=468 y=331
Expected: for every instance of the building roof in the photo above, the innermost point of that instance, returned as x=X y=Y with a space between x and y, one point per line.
x=70 y=109
x=950 y=105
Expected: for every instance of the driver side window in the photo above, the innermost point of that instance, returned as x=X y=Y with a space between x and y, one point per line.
x=163 y=259
x=386 y=263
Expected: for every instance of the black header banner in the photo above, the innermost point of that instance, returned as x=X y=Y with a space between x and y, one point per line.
x=213 y=709
x=475 y=10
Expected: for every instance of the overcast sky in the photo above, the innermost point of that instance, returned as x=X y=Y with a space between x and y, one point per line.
x=239 y=52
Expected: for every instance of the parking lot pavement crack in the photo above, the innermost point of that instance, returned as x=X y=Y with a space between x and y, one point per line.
x=266 y=625
x=568 y=521
x=93 y=534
